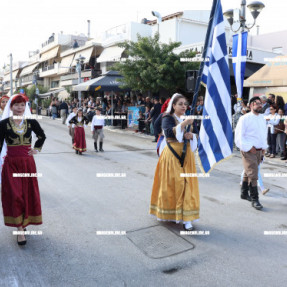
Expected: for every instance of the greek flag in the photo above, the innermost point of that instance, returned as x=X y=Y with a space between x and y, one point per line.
x=215 y=137
x=239 y=51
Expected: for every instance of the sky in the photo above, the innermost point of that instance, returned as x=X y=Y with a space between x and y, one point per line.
x=26 y=24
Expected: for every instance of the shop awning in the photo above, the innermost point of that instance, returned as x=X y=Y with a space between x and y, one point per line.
x=49 y=54
x=273 y=74
x=45 y=95
x=66 y=64
x=108 y=82
x=87 y=53
x=28 y=69
x=14 y=74
x=111 y=54
x=7 y=78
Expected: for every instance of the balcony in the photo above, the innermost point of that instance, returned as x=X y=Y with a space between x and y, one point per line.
x=50 y=70
x=84 y=74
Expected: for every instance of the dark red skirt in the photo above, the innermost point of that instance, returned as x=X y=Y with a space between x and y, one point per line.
x=80 y=139
x=20 y=195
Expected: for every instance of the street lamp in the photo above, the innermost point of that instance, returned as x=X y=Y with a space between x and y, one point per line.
x=79 y=61
x=159 y=19
x=232 y=16
x=35 y=78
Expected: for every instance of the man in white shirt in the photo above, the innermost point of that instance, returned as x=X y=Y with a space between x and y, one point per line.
x=97 y=128
x=251 y=139
x=71 y=129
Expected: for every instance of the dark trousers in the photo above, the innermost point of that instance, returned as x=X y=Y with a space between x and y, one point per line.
x=271 y=142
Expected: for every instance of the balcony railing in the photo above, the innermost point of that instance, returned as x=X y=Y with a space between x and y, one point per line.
x=84 y=73
x=50 y=40
x=48 y=68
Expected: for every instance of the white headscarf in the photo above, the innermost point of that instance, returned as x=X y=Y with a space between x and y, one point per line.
x=6 y=114
x=168 y=110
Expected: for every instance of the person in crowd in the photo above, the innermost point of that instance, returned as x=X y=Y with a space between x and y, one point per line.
x=175 y=197
x=140 y=101
x=148 y=103
x=155 y=112
x=271 y=99
x=71 y=129
x=265 y=105
x=20 y=195
x=54 y=109
x=285 y=154
x=97 y=129
x=147 y=121
x=272 y=120
x=250 y=138
x=63 y=111
x=280 y=131
x=75 y=45
x=233 y=103
x=79 y=122
x=141 y=121
x=285 y=109
x=279 y=103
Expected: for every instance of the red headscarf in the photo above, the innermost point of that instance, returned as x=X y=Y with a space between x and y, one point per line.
x=4 y=97
x=19 y=99
x=164 y=106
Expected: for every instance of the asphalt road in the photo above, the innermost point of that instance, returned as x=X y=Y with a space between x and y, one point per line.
x=77 y=205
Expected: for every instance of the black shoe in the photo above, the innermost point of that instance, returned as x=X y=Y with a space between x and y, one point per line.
x=21 y=242
x=254 y=197
x=76 y=151
x=80 y=153
x=96 y=147
x=257 y=205
x=284 y=158
x=244 y=191
x=101 y=146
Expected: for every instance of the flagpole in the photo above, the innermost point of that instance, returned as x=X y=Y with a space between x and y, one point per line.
x=198 y=79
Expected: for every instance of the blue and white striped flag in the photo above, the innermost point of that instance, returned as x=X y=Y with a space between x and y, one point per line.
x=239 y=51
x=215 y=137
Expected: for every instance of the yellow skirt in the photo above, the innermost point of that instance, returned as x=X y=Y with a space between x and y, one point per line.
x=175 y=198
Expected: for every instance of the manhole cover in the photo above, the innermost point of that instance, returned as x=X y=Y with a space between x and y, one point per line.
x=158 y=242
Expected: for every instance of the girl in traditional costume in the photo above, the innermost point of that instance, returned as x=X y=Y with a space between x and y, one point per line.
x=20 y=192
x=79 y=122
x=175 y=193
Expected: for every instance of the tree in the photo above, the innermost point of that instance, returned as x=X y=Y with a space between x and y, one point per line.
x=31 y=92
x=152 y=66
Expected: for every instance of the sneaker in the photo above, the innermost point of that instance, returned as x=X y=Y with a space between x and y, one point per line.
x=267 y=154
x=272 y=156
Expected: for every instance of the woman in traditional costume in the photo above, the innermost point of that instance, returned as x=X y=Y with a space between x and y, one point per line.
x=79 y=122
x=175 y=197
x=20 y=192
x=3 y=101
